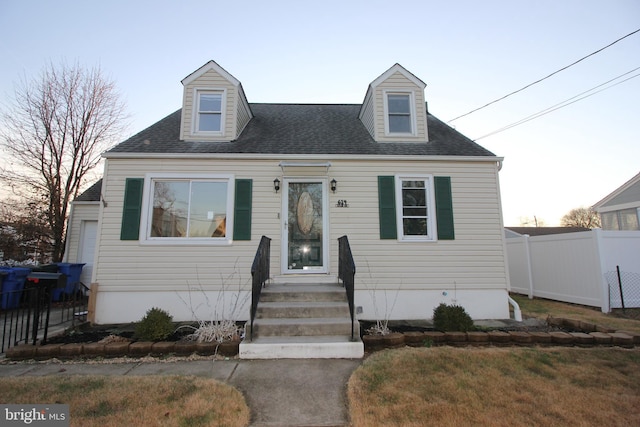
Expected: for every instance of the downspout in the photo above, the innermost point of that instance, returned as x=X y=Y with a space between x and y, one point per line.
x=517 y=314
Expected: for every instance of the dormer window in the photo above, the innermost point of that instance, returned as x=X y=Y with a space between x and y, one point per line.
x=400 y=113
x=209 y=117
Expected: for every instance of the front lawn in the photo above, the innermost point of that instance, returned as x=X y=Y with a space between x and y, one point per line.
x=121 y=401
x=447 y=386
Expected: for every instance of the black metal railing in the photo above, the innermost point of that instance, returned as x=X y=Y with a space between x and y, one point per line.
x=27 y=314
x=259 y=275
x=346 y=273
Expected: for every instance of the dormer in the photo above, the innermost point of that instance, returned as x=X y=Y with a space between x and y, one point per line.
x=394 y=108
x=214 y=106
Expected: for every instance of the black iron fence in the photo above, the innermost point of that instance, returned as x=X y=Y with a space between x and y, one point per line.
x=346 y=273
x=624 y=288
x=27 y=315
x=259 y=275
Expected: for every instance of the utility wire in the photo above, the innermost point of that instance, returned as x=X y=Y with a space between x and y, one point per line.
x=564 y=103
x=546 y=77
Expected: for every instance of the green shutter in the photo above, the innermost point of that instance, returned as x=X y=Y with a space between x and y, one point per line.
x=242 y=210
x=387 y=207
x=130 y=228
x=444 y=207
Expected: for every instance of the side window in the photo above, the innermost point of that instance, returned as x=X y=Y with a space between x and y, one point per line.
x=209 y=111
x=414 y=200
x=415 y=208
x=399 y=110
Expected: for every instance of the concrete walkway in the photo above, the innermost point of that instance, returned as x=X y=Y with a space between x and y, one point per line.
x=285 y=392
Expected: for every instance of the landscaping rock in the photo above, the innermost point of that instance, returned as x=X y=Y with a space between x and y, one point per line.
x=393 y=340
x=587 y=327
x=605 y=329
x=140 y=348
x=582 y=338
x=48 y=351
x=21 y=352
x=414 y=338
x=162 y=347
x=499 y=338
x=372 y=342
x=477 y=338
x=571 y=324
x=230 y=348
x=93 y=349
x=452 y=337
x=71 y=350
x=116 y=349
x=541 y=337
x=601 y=338
x=185 y=348
x=622 y=340
x=206 y=348
x=634 y=335
x=435 y=337
x=519 y=337
x=562 y=338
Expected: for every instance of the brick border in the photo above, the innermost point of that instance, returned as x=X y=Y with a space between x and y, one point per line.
x=586 y=335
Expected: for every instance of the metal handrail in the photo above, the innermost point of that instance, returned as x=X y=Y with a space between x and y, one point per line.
x=346 y=273
x=259 y=275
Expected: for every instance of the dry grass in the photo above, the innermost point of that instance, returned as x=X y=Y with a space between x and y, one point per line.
x=447 y=386
x=541 y=308
x=119 y=401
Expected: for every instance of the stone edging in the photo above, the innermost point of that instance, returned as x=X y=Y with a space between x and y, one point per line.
x=587 y=334
x=120 y=349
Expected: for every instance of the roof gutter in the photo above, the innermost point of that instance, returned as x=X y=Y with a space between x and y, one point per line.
x=298 y=157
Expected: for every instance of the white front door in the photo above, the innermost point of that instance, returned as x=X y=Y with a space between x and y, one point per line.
x=305 y=231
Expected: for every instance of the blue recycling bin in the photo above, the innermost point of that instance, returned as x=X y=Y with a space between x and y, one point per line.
x=73 y=272
x=12 y=286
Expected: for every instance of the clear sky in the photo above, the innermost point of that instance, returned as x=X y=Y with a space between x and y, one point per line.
x=468 y=52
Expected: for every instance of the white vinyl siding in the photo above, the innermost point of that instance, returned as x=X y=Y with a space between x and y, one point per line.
x=399 y=84
x=209 y=81
x=475 y=260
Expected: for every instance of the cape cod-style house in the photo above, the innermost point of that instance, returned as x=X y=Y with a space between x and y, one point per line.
x=183 y=207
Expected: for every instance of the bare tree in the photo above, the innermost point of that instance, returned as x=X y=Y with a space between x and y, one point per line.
x=526 y=221
x=53 y=134
x=581 y=217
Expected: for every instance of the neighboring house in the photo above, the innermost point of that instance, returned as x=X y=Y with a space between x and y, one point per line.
x=620 y=210
x=186 y=201
x=511 y=232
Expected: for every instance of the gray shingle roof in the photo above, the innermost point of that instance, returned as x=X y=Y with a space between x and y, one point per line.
x=91 y=194
x=301 y=129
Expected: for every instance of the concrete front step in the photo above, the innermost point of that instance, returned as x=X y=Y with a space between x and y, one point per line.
x=326 y=347
x=301 y=293
x=301 y=309
x=314 y=326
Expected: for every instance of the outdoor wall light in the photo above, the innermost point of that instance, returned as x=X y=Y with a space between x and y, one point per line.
x=276 y=184
x=334 y=184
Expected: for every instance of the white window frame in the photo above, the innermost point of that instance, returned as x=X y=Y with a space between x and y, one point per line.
x=147 y=210
x=196 y=110
x=432 y=233
x=412 y=111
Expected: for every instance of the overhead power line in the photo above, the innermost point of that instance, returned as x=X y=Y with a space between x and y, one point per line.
x=566 y=102
x=546 y=77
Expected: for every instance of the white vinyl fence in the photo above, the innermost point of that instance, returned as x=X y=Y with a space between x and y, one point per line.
x=579 y=267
